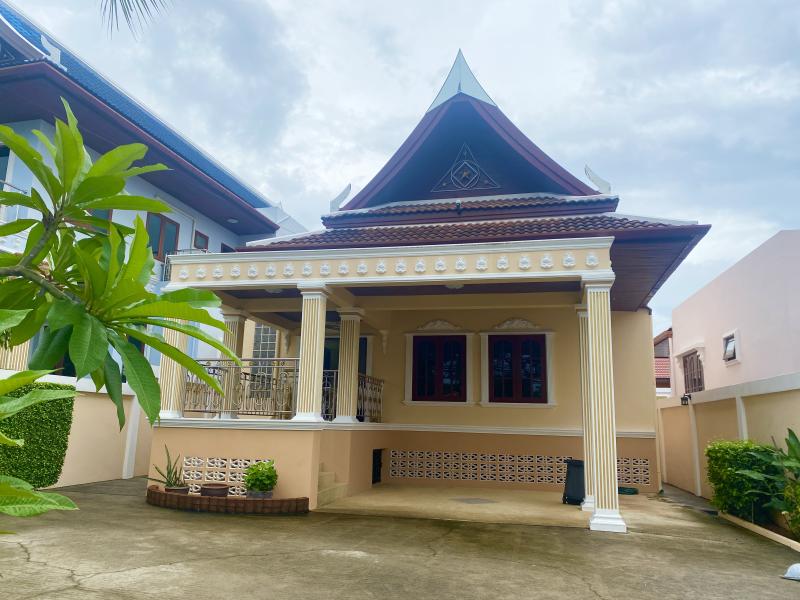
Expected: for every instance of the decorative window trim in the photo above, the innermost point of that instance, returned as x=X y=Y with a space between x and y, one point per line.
x=409 y=368
x=549 y=365
x=734 y=333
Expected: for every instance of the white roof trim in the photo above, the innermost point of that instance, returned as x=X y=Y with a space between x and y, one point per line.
x=460 y=80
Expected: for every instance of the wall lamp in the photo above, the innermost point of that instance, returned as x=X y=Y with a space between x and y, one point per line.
x=685 y=399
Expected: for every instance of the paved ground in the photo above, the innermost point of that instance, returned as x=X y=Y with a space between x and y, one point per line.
x=117 y=547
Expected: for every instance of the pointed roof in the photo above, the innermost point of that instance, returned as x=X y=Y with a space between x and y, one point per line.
x=463 y=147
x=460 y=80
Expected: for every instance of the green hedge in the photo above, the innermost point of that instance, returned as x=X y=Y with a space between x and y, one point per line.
x=45 y=429
x=734 y=493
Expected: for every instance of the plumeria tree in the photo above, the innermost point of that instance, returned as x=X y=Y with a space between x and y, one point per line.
x=81 y=283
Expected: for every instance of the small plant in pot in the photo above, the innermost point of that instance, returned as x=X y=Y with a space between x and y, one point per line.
x=260 y=479
x=172 y=477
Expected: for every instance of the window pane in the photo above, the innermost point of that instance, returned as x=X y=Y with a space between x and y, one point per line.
x=200 y=241
x=502 y=369
x=3 y=163
x=730 y=348
x=154 y=232
x=170 y=238
x=532 y=369
x=452 y=359
x=424 y=368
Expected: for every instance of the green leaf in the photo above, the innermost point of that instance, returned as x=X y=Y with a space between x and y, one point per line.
x=140 y=376
x=16 y=226
x=51 y=149
x=11 y=318
x=170 y=310
x=18 y=380
x=69 y=155
x=193 y=297
x=139 y=266
x=117 y=160
x=32 y=159
x=126 y=202
x=32 y=323
x=93 y=188
x=133 y=172
x=17 y=501
x=51 y=349
x=7 y=441
x=17 y=199
x=113 y=379
x=179 y=357
x=194 y=332
x=65 y=312
x=88 y=345
x=10 y=406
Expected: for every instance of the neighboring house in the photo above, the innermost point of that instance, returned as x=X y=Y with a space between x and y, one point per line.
x=736 y=361
x=212 y=211
x=473 y=316
x=662 y=357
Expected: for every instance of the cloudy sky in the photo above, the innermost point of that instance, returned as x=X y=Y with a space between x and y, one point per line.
x=690 y=109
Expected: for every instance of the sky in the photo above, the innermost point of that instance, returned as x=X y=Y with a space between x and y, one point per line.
x=691 y=110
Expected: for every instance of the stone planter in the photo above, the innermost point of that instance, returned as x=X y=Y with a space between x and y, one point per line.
x=184 y=489
x=214 y=490
x=258 y=495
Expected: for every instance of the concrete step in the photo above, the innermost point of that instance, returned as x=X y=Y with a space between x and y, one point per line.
x=326 y=479
x=331 y=493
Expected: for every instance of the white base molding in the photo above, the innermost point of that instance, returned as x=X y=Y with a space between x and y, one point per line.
x=308 y=417
x=345 y=419
x=170 y=414
x=767 y=533
x=604 y=519
x=588 y=504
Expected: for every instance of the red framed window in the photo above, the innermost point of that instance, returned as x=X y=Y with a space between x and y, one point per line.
x=163 y=233
x=200 y=240
x=518 y=369
x=439 y=368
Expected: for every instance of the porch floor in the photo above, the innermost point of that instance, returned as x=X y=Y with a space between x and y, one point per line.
x=495 y=505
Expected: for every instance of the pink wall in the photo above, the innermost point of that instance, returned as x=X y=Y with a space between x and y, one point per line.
x=759 y=297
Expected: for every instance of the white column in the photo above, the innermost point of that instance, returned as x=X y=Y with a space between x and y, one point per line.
x=172 y=377
x=347 y=394
x=606 y=515
x=588 y=450
x=233 y=338
x=741 y=418
x=312 y=343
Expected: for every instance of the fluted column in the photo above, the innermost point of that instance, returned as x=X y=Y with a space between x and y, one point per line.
x=347 y=395
x=588 y=450
x=606 y=516
x=172 y=377
x=233 y=338
x=16 y=358
x=312 y=342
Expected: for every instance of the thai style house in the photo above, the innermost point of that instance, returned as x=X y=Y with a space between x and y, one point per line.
x=211 y=211
x=473 y=316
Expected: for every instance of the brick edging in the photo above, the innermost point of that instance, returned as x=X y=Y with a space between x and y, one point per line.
x=230 y=504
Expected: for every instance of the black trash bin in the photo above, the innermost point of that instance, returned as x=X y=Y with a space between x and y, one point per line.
x=574 y=489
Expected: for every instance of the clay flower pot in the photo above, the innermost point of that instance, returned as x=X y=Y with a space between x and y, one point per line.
x=219 y=490
x=258 y=495
x=184 y=489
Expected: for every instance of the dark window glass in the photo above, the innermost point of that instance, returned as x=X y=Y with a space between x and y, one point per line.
x=4 y=154
x=517 y=368
x=729 y=348
x=102 y=213
x=226 y=248
x=163 y=234
x=693 y=373
x=439 y=368
x=200 y=241
x=330 y=357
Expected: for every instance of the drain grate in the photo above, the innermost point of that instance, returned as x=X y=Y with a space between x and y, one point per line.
x=474 y=500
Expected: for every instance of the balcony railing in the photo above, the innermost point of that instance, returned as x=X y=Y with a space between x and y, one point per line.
x=267 y=387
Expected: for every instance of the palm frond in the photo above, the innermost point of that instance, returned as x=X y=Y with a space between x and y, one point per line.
x=135 y=13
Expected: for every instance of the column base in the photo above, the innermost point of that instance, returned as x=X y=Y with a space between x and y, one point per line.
x=604 y=519
x=228 y=414
x=170 y=414
x=345 y=419
x=588 y=504
x=308 y=417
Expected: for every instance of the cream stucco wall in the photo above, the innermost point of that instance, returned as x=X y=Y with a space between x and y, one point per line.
x=678 y=447
x=770 y=415
x=715 y=421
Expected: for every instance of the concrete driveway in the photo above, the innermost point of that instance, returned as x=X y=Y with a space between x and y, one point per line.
x=117 y=547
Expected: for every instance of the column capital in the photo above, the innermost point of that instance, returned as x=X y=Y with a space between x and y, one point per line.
x=351 y=314
x=597 y=285
x=313 y=288
x=229 y=312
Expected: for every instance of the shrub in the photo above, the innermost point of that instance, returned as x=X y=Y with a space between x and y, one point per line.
x=735 y=492
x=261 y=477
x=45 y=429
x=791 y=498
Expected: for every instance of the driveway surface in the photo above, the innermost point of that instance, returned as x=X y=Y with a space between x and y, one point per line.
x=118 y=547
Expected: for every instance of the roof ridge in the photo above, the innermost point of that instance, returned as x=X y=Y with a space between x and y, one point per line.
x=460 y=80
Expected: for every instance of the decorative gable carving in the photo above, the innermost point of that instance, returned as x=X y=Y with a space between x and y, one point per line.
x=465 y=174
x=516 y=324
x=439 y=325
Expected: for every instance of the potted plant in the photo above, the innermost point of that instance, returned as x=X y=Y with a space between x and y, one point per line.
x=172 y=478
x=260 y=479
x=219 y=490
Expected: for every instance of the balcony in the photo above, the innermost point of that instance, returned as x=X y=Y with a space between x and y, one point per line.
x=267 y=388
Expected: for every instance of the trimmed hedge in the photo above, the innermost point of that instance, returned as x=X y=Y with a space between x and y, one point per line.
x=734 y=493
x=45 y=429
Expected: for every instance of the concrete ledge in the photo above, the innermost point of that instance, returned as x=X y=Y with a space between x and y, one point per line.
x=762 y=531
x=231 y=505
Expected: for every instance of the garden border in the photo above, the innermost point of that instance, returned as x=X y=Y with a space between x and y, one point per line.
x=762 y=531
x=228 y=504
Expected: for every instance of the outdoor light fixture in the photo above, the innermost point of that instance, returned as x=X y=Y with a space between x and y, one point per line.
x=685 y=399
x=233 y=221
